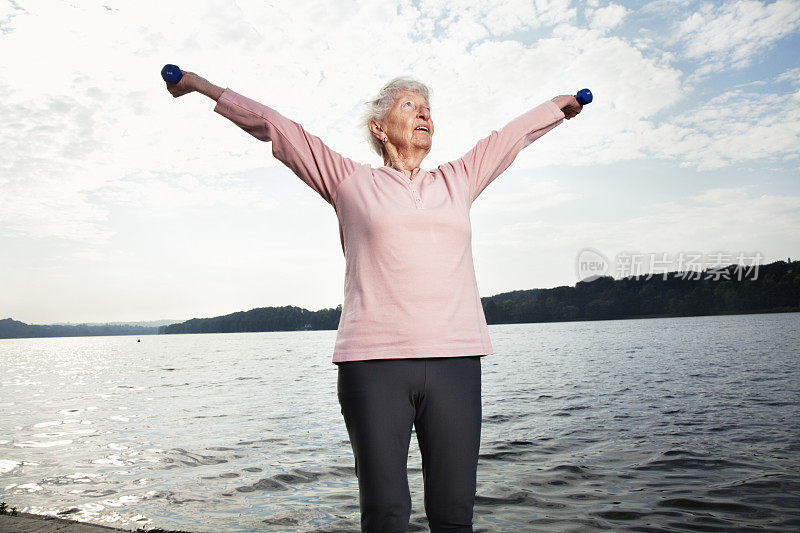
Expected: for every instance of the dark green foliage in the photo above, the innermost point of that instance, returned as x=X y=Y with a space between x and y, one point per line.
x=13 y=329
x=6 y=511
x=776 y=288
x=287 y=318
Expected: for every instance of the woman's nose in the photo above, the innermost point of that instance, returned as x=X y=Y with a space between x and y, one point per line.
x=424 y=113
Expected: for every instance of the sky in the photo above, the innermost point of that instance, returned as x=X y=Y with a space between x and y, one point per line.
x=119 y=202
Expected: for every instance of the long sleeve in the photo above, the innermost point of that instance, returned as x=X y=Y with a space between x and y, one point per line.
x=492 y=155
x=306 y=155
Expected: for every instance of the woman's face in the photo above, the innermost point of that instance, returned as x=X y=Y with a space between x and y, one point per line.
x=408 y=123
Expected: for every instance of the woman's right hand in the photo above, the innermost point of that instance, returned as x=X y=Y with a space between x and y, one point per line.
x=187 y=84
x=569 y=105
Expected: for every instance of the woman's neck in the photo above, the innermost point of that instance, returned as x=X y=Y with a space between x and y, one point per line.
x=410 y=174
x=408 y=165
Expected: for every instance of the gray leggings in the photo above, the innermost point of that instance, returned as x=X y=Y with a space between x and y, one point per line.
x=441 y=397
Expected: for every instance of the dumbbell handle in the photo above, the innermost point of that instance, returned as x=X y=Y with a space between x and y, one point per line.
x=584 y=96
x=171 y=73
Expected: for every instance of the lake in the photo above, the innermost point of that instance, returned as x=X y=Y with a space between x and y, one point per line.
x=679 y=424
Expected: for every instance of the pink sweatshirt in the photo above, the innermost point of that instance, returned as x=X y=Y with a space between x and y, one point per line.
x=409 y=287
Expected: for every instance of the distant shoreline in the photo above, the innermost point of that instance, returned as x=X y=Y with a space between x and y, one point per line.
x=718 y=291
x=723 y=291
x=643 y=317
x=14 y=329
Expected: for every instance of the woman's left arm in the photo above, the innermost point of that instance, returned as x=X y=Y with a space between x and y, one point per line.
x=493 y=155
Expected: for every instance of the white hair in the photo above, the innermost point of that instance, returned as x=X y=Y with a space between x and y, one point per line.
x=376 y=108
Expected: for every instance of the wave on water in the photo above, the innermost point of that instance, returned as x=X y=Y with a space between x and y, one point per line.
x=639 y=425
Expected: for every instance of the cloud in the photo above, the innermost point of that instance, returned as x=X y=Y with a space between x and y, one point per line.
x=724 y=218
x=531 y=195
x=791 y=76
x=499 y=18
x=98 y=158
x=734 y=34
x=606 y=18
x=734 y=127
x=535 y=251
x=96 y=127
x=719 y=218
x=80 y=120
x=521 y=75
x=45 y=208
x=8 y=10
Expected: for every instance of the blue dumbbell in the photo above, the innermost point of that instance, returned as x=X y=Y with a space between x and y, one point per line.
x=583 y=97
x=172 y=74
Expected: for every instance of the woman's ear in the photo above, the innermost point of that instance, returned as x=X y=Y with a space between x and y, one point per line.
x=377 y=130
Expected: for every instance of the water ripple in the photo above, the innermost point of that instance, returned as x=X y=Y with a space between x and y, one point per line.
x=637 y=425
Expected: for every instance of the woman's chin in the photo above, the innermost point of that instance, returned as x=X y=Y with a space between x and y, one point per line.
x=423 y=144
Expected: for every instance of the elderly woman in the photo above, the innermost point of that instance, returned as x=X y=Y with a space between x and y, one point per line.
x=412 y=329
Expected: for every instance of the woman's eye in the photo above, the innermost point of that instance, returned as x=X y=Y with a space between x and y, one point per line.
x=408 y=104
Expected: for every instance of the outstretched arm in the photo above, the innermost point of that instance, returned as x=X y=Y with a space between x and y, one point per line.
x=306 y=155
x=493 y=155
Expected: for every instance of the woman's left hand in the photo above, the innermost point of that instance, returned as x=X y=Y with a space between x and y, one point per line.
x=568 y=104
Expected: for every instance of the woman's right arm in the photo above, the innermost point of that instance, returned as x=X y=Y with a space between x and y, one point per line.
x=306 y=155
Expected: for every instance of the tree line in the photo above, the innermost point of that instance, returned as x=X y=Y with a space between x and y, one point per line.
x=286 y=318
x=721 y=291
x=773 y=288
x=14 y=329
